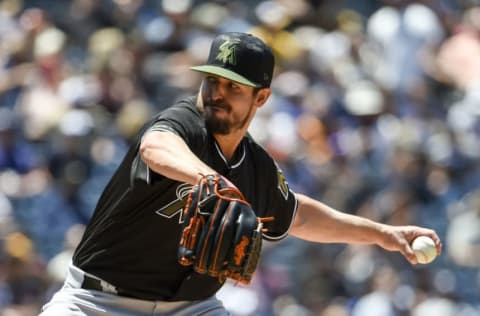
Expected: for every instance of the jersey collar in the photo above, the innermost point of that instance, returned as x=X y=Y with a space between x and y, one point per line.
x=235 y=162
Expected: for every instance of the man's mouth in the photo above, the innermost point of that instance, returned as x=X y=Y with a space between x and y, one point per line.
x=218 y=107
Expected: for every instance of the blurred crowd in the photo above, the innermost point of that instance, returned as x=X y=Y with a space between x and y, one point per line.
x=375 y=111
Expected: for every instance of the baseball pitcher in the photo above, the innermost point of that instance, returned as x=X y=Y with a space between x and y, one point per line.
x=193 y=199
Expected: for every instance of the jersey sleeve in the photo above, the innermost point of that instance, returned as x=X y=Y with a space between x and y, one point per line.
x=179 y=119
x=282 y=206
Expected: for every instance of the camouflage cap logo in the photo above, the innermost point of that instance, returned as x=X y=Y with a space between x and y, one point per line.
x=226 y=52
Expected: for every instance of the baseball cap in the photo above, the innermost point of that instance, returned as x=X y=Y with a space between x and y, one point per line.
x=240 y=57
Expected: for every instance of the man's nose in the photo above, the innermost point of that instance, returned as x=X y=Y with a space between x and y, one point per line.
x=217 y=92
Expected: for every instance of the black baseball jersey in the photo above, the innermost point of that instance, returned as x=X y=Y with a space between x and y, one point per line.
x=133 y=236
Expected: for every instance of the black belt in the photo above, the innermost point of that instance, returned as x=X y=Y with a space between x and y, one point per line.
x=92 y=283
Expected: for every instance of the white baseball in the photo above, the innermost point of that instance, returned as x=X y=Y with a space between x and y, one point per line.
x=424 y=249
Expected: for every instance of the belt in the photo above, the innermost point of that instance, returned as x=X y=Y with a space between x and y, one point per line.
x=93 y=283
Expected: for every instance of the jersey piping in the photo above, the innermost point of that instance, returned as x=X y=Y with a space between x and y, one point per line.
x=225 y=159
x=280 y=237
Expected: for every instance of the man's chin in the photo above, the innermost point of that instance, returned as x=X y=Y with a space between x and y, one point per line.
x=215 y=126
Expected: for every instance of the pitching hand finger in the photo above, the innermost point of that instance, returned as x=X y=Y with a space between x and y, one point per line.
x=408 y=253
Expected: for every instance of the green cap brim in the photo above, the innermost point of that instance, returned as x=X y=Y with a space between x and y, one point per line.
x=225 y=73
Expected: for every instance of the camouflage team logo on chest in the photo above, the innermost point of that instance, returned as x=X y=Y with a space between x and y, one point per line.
x=227 y=53
x=176 y=207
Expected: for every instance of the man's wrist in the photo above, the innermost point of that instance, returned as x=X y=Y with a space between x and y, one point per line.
x=380 y=231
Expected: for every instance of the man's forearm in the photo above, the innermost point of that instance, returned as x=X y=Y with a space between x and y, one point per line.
x=167 y=154
x=318 y=222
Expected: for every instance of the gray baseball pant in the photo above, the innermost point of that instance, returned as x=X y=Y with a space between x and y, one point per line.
x=72 y=300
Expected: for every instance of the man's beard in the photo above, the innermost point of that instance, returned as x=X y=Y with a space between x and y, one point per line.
x=214 y=124
x=222 y=126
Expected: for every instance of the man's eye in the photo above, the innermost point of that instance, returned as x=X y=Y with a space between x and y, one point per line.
x=232 y=86
x=211 y=79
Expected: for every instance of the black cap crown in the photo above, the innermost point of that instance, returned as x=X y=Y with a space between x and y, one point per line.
x=240 y=57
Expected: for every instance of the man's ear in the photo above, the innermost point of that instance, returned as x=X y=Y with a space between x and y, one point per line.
x=200 y=105
x=262 y=96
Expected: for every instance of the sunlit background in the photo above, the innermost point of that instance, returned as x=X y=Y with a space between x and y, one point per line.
x=375 y=111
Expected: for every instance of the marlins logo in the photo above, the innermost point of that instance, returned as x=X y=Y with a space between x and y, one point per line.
x=175 y=207
x=227 y=52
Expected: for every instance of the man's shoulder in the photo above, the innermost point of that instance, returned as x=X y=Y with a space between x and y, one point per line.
x=183 y=104
x=189 y=102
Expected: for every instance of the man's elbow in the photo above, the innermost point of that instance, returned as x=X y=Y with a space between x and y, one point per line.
x=147 y=149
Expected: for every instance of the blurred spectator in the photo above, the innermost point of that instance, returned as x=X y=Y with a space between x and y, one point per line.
x=57 y=266
x=463 y=235
x=16 y=154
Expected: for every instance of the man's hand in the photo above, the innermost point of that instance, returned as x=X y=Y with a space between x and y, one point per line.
x=400 y=238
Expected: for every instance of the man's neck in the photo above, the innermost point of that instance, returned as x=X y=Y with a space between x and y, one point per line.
x=228 y=143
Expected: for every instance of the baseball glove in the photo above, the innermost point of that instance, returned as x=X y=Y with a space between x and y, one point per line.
x=222 y=236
